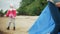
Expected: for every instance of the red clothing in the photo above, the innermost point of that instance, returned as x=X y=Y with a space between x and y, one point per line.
x=11 y=13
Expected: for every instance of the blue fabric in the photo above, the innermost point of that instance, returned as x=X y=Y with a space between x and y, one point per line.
x=45 y=22
x=59 y=33
x=55 y=13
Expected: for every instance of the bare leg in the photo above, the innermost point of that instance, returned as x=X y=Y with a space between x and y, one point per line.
x=13 y=23
x=9 y=23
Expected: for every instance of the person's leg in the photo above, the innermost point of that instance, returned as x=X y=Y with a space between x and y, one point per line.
x=9 y=23
x=13 y=23
x=55 y=31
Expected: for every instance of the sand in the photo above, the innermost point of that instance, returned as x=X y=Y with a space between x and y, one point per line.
x=23 y=24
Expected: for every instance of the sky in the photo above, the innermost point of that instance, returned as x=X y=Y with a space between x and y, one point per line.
x=5 y=4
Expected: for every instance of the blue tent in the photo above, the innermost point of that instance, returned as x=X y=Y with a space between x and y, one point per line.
x=46 y=20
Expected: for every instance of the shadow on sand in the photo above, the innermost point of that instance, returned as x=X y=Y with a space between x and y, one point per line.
x=1 y=32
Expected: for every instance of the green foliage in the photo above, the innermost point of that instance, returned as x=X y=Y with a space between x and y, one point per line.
x=5 y=12
x=1 y=13
x=31 y=7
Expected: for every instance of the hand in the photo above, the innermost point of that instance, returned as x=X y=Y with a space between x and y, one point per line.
x=5 y=15
x=58 y=4
x=13 y=17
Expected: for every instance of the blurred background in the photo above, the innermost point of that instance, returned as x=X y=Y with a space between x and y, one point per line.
x=27 y=13
x=23 y=7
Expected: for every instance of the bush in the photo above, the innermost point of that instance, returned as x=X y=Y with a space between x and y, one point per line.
x=5 y=12
x=1 y=13
x=31 y=7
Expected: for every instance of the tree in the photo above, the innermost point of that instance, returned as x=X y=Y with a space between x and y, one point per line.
x=31 y=7
x=5 y=12
x=1 y=13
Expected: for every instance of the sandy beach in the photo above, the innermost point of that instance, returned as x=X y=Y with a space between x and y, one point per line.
x=23 y=24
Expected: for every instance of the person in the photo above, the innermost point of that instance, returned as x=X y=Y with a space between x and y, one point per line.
x=48 y=21
x=11 y=13
x=56 y=17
